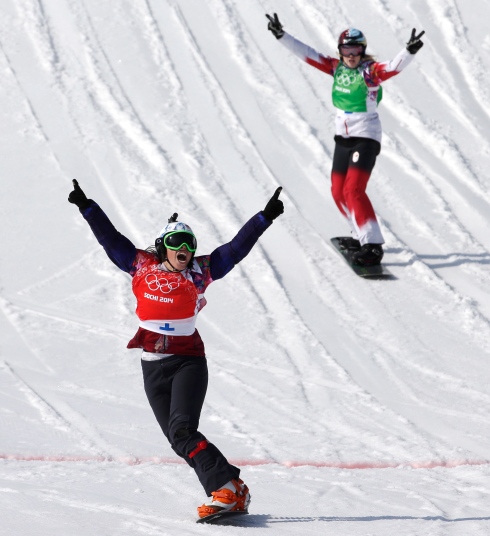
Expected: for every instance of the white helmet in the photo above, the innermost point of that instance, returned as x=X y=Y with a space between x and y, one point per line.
x=175 y=226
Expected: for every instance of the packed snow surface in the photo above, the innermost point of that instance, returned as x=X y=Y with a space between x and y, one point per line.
x=353 y=407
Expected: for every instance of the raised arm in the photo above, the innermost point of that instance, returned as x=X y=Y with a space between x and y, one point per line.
x=118 y=248
x=382 y=71
x=304 y=52
x=310 y=55
x=224 y=258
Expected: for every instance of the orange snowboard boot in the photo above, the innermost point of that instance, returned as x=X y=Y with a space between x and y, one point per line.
x=233 y=496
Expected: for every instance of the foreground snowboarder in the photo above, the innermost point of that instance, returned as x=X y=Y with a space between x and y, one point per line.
x=169 y=282
x=356 y=93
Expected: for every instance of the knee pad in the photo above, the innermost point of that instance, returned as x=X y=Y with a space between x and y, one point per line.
x=183 y=432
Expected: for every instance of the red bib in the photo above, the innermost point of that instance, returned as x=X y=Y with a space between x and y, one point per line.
x=163 y=295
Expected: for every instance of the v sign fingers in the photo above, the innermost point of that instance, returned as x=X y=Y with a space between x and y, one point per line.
x=414 y=43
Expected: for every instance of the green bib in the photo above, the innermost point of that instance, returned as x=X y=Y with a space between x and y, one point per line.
x=349 y=91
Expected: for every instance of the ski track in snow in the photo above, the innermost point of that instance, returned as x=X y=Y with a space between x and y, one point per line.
x=162 y=107
x=61 y=418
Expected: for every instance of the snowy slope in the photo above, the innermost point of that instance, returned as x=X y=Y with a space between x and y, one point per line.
x=353 y=407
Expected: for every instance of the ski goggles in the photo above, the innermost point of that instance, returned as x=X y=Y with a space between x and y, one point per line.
x=351 y=50
x=177 y=239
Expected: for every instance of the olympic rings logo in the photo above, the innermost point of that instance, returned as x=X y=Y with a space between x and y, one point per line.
x=346 y=79
x=161 y=283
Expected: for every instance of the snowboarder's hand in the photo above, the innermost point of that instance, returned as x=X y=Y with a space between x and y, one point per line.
x=415 y=44
x=275 y=26
x=77 y=197
x=275 y=207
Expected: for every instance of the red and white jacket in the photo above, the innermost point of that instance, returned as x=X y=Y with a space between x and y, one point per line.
x=348 y=123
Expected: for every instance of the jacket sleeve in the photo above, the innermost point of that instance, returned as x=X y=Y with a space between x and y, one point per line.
x=224 y=258
x=310 y=55
x=119 y=249
x=382 y=71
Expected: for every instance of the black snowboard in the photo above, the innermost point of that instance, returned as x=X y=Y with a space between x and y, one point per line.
x=371 y=272
x=222 y=518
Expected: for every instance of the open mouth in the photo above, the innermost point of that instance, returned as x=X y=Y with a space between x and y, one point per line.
x=181 y=257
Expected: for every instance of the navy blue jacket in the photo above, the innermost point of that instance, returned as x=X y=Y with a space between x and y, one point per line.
x=126 y=256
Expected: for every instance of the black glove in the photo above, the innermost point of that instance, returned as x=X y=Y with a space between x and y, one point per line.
x=275 y=26
x=415 y=44
x=274 y=207
x=77 y=197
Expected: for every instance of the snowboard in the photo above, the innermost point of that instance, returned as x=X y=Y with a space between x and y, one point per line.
x=222 y=518
x=369 y=272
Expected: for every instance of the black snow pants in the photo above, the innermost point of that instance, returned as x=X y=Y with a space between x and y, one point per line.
x=176 y=387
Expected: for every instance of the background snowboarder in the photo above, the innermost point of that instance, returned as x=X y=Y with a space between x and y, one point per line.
x=356 y=93
x=169 y=282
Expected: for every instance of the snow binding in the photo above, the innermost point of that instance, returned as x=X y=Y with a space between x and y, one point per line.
x=377 y=271
x=222 y=517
